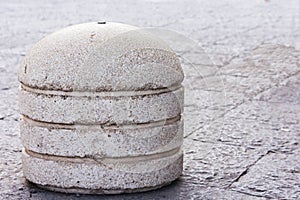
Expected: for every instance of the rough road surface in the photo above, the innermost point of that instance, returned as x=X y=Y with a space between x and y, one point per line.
x=242 y=107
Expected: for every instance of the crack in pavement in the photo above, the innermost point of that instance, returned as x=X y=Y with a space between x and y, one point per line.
x=250 y=194
x=243 y=173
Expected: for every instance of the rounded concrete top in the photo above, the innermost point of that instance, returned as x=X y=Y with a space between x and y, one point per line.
x=100 y=56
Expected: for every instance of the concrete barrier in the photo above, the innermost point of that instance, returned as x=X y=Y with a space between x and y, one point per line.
x=101 y=108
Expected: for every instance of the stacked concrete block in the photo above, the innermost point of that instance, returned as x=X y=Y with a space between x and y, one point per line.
x=101 y=108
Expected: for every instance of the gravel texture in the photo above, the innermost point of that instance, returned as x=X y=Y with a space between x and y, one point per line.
x=242 y=69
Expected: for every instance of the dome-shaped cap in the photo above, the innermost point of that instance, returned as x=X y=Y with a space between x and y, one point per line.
x=100 y=57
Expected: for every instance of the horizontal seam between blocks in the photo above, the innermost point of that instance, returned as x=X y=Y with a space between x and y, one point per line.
x=50 y=125
x=100 y=94
x=103 y=160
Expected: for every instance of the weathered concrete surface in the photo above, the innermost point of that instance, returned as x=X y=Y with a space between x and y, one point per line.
x=242 y=105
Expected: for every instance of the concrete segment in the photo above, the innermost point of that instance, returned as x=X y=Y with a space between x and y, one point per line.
x=96 y=108
x=106 y=175
x=100 y=57
x=97 y=141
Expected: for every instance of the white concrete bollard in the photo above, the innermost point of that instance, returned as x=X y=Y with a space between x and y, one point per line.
x=101 y=108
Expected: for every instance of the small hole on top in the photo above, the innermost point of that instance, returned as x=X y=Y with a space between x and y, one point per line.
x=101 y=22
